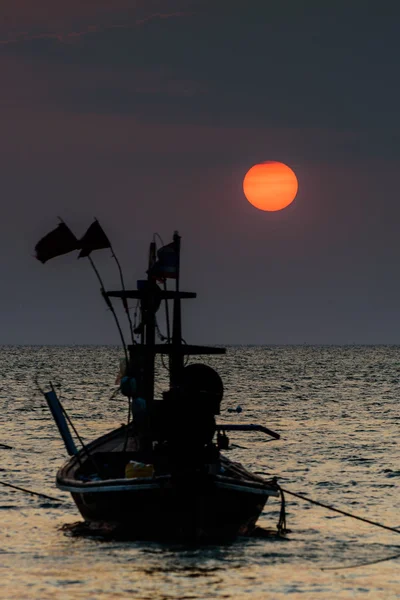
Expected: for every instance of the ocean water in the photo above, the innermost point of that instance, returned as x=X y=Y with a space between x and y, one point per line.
x=338 y=411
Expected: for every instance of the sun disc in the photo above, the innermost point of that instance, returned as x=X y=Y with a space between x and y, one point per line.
x=270 y=186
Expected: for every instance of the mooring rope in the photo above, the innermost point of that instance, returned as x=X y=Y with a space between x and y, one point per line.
x=21 y=489
x=282 y=526
x=363 y=564
x=341 y=512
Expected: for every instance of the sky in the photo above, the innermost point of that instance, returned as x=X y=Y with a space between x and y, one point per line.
x=147 y=114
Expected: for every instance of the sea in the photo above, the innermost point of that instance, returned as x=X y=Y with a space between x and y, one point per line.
x=338 y=413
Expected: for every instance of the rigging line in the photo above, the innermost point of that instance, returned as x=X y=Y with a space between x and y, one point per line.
x=21 y=489
x=161 y=337
x=157 y=235
x=124 y=300
x=167 y=312
x=166 y=367
x=127 y=425
x=114 y=394
x=187 y=359
x=110 y=306
x=364 y=564
x=135 y=316
x=341 y=512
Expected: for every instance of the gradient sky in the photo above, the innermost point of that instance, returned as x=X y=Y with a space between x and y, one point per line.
x=148 y=114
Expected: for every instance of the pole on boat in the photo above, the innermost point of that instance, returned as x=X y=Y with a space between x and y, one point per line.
x=176 y=357
x=148 y=311
x=124 y=300
x=110 y=306
x=96 y=239
x=59 y=419
x=247 y=427
x=157 y=235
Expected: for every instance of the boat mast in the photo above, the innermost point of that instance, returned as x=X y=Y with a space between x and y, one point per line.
x=176 y=356
x=148 y=308
x=142 y=356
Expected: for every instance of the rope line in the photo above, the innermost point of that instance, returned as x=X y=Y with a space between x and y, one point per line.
x=364 y=564
x=21 y=489
x=341 y=512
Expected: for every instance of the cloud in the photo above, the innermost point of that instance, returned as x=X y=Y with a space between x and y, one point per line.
x=20 y=21
x=235 y=64
x=19 y=41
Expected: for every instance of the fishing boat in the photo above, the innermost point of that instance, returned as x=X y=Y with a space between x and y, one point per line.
x=164 y=475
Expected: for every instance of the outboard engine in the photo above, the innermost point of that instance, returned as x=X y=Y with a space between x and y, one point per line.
x=190 y=409
x=204 y=387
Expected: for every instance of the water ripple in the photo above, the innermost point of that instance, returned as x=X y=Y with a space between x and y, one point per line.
x=338 y=412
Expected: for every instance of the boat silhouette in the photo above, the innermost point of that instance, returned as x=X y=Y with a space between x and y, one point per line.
x=164 y=475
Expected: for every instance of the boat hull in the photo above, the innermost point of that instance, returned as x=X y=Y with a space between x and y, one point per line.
x=187 y=511
x=191 y=505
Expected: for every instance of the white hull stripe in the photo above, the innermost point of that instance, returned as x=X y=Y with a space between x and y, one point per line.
x=101 y=489
x=242 y=488
x=110 y=488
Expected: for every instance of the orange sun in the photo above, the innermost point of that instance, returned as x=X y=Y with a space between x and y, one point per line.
x=270 y=185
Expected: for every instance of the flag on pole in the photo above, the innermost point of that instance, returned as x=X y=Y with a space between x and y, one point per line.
x=94 y=239
x=59 y=241
x=166 y=266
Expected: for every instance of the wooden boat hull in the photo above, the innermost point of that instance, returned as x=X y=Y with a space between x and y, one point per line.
x=188 y=506
x=191 y=511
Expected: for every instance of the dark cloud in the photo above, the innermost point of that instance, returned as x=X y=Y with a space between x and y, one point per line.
x=21 y=18
x=254 y=63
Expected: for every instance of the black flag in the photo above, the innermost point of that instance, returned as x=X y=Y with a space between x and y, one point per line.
x=94 y=239
x=59 y=241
